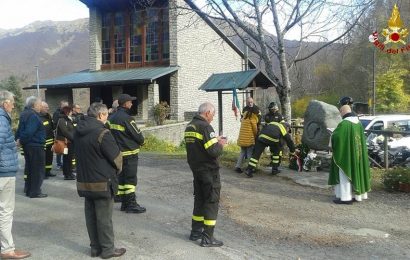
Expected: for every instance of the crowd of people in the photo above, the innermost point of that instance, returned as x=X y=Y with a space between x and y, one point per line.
x=101 y=155
x=349 y=172
x=103 y=146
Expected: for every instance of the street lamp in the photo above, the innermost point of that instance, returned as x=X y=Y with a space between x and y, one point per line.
x=38 y=82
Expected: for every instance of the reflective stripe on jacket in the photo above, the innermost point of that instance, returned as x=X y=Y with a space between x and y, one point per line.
x=273 y=132
x=126 y=133
x=201 y=144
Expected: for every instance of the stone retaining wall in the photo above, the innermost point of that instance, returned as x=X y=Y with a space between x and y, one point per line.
x=173 y=133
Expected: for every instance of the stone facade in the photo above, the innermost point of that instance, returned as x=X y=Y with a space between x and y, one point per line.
x=200 y=53
x=95 y=39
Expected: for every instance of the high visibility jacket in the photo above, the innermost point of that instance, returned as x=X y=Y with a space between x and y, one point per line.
x=202 y=145
x=126 y=133
x=48 y=126
x=273 y=133
x=273 y=117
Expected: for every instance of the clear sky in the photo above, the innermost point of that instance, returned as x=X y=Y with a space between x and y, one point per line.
x=19 y=13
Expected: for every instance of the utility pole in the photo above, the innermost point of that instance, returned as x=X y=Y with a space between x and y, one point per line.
x=38 y=82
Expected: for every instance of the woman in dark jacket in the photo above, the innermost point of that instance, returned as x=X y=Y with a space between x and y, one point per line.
x=65 y=131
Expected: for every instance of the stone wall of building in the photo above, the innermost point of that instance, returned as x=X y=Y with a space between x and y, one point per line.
x=200 y=53
x=95 y=39
x=173 y=133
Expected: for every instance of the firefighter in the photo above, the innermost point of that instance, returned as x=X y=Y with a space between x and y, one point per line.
x=203 y=148
x=273 y=115
x=48 y=125
x=129 y=139
x=271 y=135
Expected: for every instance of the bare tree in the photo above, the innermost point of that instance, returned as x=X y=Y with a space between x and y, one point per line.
x=263 y=26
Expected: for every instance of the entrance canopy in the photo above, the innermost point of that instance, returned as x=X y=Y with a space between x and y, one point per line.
x=86 y=79
x=237 y=80
x=234 y=80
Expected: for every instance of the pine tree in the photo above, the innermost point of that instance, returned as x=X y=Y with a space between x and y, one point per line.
x=12 y=84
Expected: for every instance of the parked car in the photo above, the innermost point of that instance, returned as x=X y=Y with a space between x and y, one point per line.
x=382 y=122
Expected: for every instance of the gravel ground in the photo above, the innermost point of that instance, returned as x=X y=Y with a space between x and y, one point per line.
x=266 y=217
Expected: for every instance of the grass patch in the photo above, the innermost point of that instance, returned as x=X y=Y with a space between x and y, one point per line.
x=153 y=144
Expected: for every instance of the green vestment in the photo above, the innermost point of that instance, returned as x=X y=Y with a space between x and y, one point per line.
x=350 y=155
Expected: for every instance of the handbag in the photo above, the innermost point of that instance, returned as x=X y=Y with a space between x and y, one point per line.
x=58 y=145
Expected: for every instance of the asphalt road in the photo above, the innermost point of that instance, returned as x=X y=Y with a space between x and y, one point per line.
x=260 y=218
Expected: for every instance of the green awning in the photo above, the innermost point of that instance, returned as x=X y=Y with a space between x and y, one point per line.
x=237 y=80
x=86 y=79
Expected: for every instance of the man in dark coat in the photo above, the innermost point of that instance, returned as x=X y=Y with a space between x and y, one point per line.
x=99 y=162
x=32 y=137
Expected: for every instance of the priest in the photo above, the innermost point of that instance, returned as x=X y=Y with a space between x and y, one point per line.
x=349 y=172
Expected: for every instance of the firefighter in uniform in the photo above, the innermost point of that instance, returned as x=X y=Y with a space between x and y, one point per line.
x=48 y=126
x=129 y=139
x=271 y=135
x=76 y=116
x=273 y=115
x=203 y=148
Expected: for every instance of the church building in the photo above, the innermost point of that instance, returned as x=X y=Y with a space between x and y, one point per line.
x=159 y=50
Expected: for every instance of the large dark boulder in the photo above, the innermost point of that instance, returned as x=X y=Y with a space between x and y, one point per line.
x=319 y=116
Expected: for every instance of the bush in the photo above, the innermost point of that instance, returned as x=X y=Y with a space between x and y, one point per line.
x=161 y=112
x=299 y=106
x=393 y=177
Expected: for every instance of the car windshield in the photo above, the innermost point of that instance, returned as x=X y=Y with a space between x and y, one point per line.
x=365 y=122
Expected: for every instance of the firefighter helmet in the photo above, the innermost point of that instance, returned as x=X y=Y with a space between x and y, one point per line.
x=273 y=106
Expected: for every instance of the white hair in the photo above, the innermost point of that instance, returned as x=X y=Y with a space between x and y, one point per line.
x=5 y=96
x=205 y=107
x=30 y=101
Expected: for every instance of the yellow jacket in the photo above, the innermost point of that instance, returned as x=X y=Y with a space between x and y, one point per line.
x=248 y=131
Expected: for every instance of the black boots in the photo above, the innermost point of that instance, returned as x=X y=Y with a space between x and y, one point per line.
x=249 y=172
x=129 y=204
x=196 y=232
x=208 y=239
x=275 y=171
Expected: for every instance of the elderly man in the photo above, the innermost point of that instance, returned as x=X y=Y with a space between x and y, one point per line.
x=349 y=170
x=8 y=170
x=32 y=136
x=99 y=161
x=48 y=127
x=203 y=148
x=250 y=106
